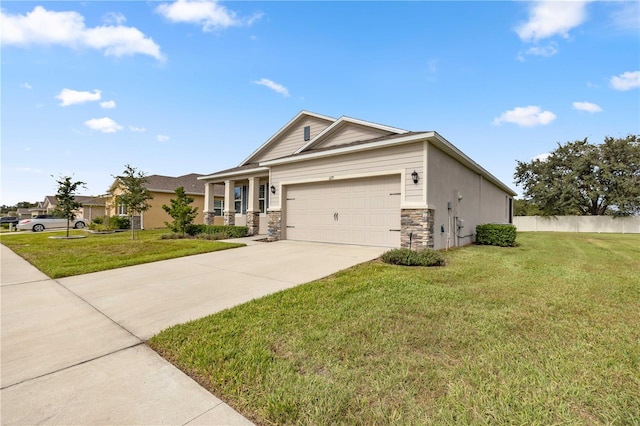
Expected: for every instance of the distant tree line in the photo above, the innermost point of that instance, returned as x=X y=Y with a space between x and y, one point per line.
x=580 y=178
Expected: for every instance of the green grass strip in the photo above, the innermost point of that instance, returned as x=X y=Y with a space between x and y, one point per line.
x=544 y=333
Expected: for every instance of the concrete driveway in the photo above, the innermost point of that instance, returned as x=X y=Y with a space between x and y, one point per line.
x=73 y=349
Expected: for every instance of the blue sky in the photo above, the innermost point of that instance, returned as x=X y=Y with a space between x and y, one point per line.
x=194 y=87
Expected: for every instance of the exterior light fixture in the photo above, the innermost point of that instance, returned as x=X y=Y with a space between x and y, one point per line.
x=414 y=176
x=273 y=189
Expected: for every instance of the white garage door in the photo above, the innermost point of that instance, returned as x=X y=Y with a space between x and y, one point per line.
x=358 y=211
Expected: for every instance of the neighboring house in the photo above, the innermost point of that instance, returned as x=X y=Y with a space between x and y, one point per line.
x=23 y=213
x=163 y=190
x=352 y=181
x=91 y=208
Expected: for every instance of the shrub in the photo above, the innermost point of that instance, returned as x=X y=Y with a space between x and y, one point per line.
x=119 y=222
x=227 y=231
x=216 y=236
x=503 y=235
x=408 y=257
x=98 y=220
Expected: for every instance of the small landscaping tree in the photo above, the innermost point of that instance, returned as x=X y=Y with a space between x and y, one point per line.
x=181 y=211
x=135 y=195
x=67 y=204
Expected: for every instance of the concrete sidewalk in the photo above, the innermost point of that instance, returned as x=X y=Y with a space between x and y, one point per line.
x=73 y=349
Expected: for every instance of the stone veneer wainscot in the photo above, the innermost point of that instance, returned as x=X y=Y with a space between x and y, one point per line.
x=416 y=228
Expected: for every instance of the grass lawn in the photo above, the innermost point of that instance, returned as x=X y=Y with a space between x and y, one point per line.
x=544 y=333
x=98 y=252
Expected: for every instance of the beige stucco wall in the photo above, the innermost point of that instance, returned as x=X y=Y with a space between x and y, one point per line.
x=155 y=217
x=481 y=201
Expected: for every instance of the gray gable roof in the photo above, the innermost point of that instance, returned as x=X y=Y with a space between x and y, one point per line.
x=189 y=182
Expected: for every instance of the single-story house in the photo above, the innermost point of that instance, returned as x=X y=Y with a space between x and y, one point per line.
x=163 y=190
x=91 y=208
x=352 y=181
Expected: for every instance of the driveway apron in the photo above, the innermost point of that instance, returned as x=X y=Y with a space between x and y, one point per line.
x=73 y=349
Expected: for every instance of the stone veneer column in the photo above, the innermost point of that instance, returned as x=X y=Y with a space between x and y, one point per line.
x=230 y=218
x=208 y=218
x=253 y=223
x=416 y=228
x=275 y=226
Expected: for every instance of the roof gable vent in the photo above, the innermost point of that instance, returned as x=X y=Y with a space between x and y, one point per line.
x=307 y=133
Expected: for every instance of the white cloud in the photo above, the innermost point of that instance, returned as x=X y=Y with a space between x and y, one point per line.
x=626 y=81
x=528 y=116
x=208 y=14
x=43 y=27
x=26 y=86
x=542 y=157
x=108 y=104
x=550 y=18
x=104 y=125
x=137 y=129
x=546 y=51
x=114 y=18
x=627 y=16
x=587 y=106
x=279 y=88
x=162 y=138
x=71 y=97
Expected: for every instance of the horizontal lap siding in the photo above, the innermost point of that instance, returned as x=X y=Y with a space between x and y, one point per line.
x=292 y=140
x=382 y=161
x=352 y=133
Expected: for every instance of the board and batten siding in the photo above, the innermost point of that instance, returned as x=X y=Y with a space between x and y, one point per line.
x=292 y=140
x=351 y=133
x=374 y=162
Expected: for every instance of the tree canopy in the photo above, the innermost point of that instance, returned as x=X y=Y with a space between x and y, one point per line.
x=580 y=178
x=181 y=211
x=66 y=200
x=135 y=195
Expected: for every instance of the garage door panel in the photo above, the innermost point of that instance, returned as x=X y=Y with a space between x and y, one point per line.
x=366 y=211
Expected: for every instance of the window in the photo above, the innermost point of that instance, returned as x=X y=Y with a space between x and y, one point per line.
x=218 y=207
x=122 y=210
x=262 y=194
x=240 y=197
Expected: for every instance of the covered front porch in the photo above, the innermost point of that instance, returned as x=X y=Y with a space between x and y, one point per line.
x=246 y=198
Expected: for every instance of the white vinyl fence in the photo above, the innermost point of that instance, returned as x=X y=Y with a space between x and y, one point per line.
x=608 y=224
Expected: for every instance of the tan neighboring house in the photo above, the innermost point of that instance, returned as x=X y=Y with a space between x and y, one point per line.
x=92 y=206
x=163 y=190
x=345 y=180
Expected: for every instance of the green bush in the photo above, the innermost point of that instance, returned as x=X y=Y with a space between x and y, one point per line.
x=503 y=235
x=408 y=257
x=98 y=220
x=227 y=231
x=119 y=222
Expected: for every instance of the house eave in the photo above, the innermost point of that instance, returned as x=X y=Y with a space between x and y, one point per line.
x=284 y=129
x=347 y=149
x=340 y=122
x=227 y=176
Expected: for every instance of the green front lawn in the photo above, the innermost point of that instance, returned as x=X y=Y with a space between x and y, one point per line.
x=544 y=333
x=98 y=252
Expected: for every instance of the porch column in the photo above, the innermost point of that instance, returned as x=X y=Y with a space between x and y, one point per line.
x=229 y=202
x=253 y=208
x=208 y=203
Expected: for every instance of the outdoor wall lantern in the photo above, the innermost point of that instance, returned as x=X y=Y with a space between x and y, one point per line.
x=273 y=189
x=414 y=176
